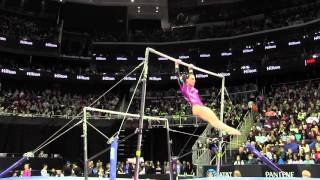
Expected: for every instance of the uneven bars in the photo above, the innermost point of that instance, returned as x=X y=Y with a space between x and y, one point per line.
x=183 y=63
x=124 y=114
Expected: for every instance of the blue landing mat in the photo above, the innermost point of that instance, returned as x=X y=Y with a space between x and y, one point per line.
x=250 y=178
x=210 y=178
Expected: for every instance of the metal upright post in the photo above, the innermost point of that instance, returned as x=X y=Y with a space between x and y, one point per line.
x=169 y=150
x=219 y=155
x=85 y=144
x=142 y=105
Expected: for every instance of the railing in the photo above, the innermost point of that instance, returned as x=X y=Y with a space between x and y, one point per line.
x=242 y=123
x=182 y=121
x=249 y=116
x=203 y=156
x=224 y=146
x=175 y=121
x=198 y=154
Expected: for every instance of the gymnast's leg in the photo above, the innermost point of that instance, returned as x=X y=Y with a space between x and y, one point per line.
x=208 y=115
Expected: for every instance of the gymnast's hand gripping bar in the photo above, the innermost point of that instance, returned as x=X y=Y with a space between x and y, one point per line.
x=183 y=63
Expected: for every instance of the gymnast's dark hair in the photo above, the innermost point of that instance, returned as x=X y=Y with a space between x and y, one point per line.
x=185 y=76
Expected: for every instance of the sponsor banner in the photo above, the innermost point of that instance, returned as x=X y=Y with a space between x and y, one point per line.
x=290 y=170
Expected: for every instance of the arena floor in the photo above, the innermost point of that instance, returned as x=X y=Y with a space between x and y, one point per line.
x=94 y=178
x=250 y=178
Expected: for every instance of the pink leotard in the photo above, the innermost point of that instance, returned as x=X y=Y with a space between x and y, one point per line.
x=191 y=95
x=26 y=173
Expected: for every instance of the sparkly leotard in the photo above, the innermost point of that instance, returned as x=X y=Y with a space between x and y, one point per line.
x=191 y=95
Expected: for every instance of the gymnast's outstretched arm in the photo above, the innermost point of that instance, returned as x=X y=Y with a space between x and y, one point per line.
x=179 y=76
x=177 y=71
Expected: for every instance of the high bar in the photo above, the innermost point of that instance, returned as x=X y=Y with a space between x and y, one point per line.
x=183 y=63
x=124 y=114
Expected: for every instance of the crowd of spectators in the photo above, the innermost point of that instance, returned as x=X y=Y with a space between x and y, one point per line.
x=210 y=12
x=233 y=26
x=99 y=169
x=25 y=28
x=51 y=102
x=286 y=130
x=29 y=29
x=274 y=20
x=158 y=103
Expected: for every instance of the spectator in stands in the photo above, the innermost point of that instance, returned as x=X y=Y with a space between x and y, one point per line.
x=53 y=172
x=166 y=167
x=67 y=170
x=126 y=168
x=142 y=169
x=275 y=159
x=304 y=148
x=153 y=167
x=76 y=171
x=52 y=102
x=44 y=171
x=296 y=159
x=242 y=154
x=308 y=160
x=178 y=166
x=281 y=161
x=251 y=137
x=158 y=168
x=291 y=144
x=251 y=160
x=317 y=144
x=268 y=153
x=315 y=155
x=315 y=130
x=148 y=167
x=189 y=169
x=107 y=170
x=90 y=168
x=120 y=168
x=15 y=173
x=236 y=173
x=306 y=174
x=59 y=173
x=101 y=172
x=26 y=171
x=289 y=155
x=238 y=161
x=96 y=168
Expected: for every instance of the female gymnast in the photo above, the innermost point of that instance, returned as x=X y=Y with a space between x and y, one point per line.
x=190 y=93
